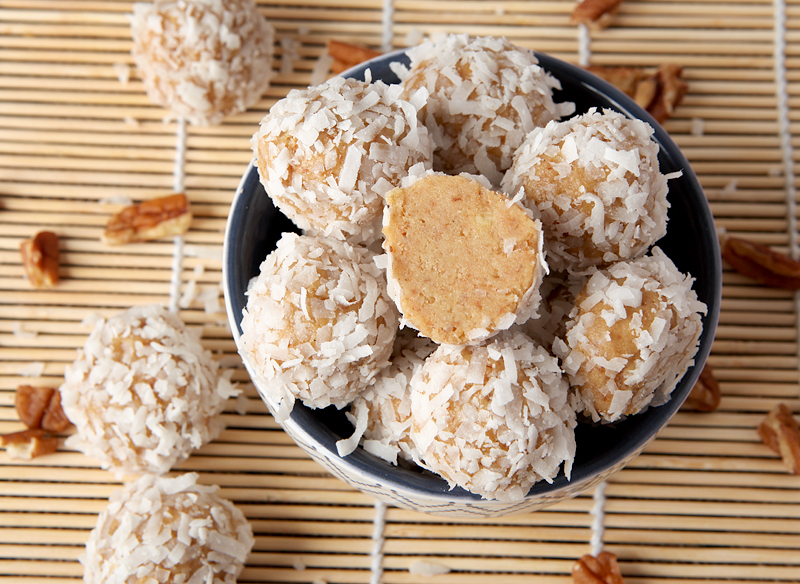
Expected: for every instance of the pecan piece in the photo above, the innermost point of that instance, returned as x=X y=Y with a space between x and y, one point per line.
x=54 y=419
x=780 y=432
x=761 y=263
x=40 y=257
x=595 y=13
x=602 y=569
x=705 y=395
x=659 y=92
x=153 y=219
x=671 y=88
x=31 y=403
x=346 y=55
x=28 y=444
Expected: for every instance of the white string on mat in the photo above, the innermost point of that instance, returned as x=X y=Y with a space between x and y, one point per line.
x=598 y=509
x=785 y=134
x=388 y=25
x=584 y=45
x=598 y=514
x=178 y=176
x=378 y=526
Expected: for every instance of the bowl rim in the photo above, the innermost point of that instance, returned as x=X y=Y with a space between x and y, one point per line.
x=353 y=468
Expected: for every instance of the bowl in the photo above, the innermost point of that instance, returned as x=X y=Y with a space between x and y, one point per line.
x=254 y=226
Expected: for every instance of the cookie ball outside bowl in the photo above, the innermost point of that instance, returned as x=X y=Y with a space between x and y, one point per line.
x=255 y=226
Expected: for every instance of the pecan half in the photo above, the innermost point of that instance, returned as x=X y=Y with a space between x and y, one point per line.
x=670 y=90
x=705 y=395
x=346 y=55
x=31 y=402
x=780 y=432
x=659 y=92
x=153 y=219
x=40 y=259
x=54 y=419
x=595 y=13
x=602 y=569
x=28 y=444
x=761 y=263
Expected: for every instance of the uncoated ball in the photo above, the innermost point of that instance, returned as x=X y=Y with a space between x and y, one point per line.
x=595 y=183
x=167 y=530
x=319 y=324
x=328 y=154
x=202 y=59
x=143 y=393
x=633 y=333
x=486 y=94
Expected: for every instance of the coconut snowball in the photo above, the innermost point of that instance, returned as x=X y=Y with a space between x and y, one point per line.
x=202 y=59
x=493 y=419
x=167 y=530
x=594 y=181
x=632 y=335
x=558 y=291
x=382 y=413
x=328 y=154
x=319 y=324
x=143 y=393
x=486 y=94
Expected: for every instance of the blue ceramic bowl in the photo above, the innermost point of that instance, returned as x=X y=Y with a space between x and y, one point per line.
x=254 y=226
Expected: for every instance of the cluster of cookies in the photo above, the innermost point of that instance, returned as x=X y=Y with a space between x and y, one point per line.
x=143 y=394
x=471 y=275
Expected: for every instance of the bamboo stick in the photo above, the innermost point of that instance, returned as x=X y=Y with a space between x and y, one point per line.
x=119 y=155
x=710 y=448
x=48 y=521
x=706 y=508
x=30 y=568
x=66 y=17
x=510 y=564
x=718 y=570
x=720 y=494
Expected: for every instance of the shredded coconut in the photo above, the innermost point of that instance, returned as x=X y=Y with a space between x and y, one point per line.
x=486 y=94
x=493 y=419
x=381 y=415
x=428 y=569
x=327 y=155
x=620 y=207
x=167 y=530
x=634 y=330
x=329 y=358
x=143 y=393
x=32 y=369
x=202 y=59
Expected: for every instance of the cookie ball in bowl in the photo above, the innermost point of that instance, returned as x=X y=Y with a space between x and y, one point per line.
x=381 y=414
x=493 y=419
x=319 y=325
x=328 y=154
x=462 y=261
x=485 y=95
x=143 y=393
x=159 y=529
x=595 y=183
x=633 y=333
x=202 y=60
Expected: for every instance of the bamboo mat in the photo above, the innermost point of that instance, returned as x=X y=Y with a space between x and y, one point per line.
x=706 y=502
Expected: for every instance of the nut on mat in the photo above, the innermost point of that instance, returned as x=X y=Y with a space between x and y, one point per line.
x=780 y=432
x=602 y=569
x=153 y=219
x=40 y=259
x=761 y=263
